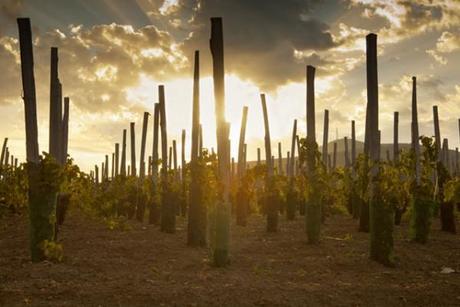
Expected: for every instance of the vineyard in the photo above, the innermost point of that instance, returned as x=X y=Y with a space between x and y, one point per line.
x=374 y=226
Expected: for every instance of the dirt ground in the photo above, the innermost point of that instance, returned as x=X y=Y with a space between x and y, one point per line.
x=143 y=267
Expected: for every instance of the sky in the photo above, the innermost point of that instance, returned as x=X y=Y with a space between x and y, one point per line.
x=113 y=54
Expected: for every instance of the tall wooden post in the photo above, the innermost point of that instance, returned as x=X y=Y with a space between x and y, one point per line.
x=241 y=162
x=258 y=156
x=123 y=155
x=280 y=160
x=133 y=149
x=42 y=200
x=347 y=157
x=437 y=133
x=174 y=147
x=168 y=214
x=381 y=216
x=65 y=131
x=2 y=157
x=154 y=212
x=334 y=156
x=353 y=144
x=117 y=158
x=96 y=171
x=55 y=108
x=113 y=165
x=141 y=197
x=325 y=136
x=143 y=142
x=106 y=169
x=313 y=206
x=222 y=221
x=271 y=197
x=201 y=146
x=415 y=134
x=197 y=220
x=456 y=161
x=293 y=142
x=396 y=137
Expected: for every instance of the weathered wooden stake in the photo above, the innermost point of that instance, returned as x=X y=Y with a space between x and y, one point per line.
x=154 y=212
x=325 y=136
x=168 y=214
x=117 y=158
x=271 y=198
x=133 y=149
x=222 y=220
x=314 y=203
x=143 y=142
x=381 y=216
x=2 y=157
x=123 y=155
x=396 y=137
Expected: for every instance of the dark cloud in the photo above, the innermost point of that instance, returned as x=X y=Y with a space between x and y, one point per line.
x=260 y=36
x=9 y=11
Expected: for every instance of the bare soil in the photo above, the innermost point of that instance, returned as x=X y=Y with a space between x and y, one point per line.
x=143 y=267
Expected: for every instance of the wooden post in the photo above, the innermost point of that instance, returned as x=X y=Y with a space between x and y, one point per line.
x=117 y=159
x=268 y=150
x=7 y=155
x=288 y=163
x=334 y=156
x=197 y=220
x=168 y=214
x=113 y=165
x=170 y=158
x=96 y=171
x=174 y=147
x=280 y=160
x=313 y=206
x=200 y=148
x=55 y=108
x=154 y=212
x=123 y=155
x=42 y=201
x=456 y=161
x=381 y=216
x=258 y=156
x=143 y=142
x=271 y=197
x=28 y=85
x=325 y=136
x=183 y=199
x=106 y=169
x=347 y=157
x=133 y=149
x=415 y=133
x=222 y=220
x=2 y=158
x=293 y=140
x=241 y=160
x=437 y=132
x=245 y=156
x=65 y=131
x=353 y=144
x=396 y=137
x=446 y=158
x=182 y=155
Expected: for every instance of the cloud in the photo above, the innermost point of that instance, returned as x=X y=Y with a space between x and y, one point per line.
x=406 y=18
x=261 y=37
x=447 y=43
